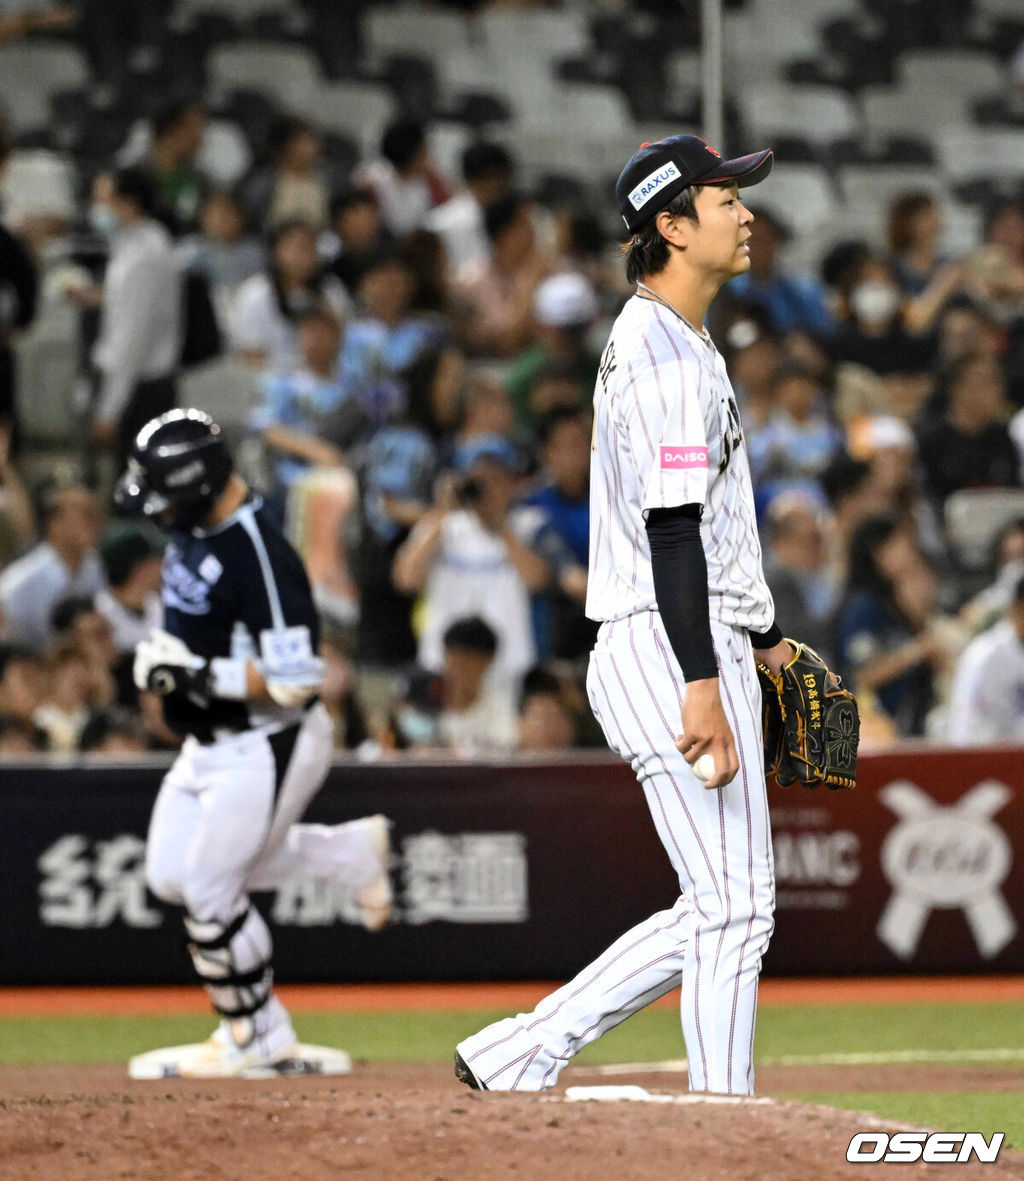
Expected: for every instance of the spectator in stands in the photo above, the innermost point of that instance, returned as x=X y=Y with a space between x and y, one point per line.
x=914 y=233
x=293 y=187
x=177 y=135
x=63 y=564
x=1006 y=569
x=460 y=709
x=397 y=476
x=487 y=173
x=310 y=415
x=964 y=327
x=496 y=296
x=405 y=179
x=66 y=706
x=268 y=306
x=485 y=408
x=790 y=301
x=19 y=290
x=357 y=235
x=140 y=338
x=565 y=308
x=395 y=357
x=969 y=445
x=888 y=645
x=564 y=448
x=1004 y=228
x=875 y=337
x=798 y=571
x=130 y=602
x=22 y=685
x=853 y=496
x=472 y=553
x=752 y=351
x=35 y=17
x=17 y=528
x=799 y=439
x=338 y=693
x=546 y=722
x=223 y=252
x=987 y=706
x=114 y=732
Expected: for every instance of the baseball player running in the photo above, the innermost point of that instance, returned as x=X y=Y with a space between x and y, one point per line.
x=238 y=670
x=676 y=582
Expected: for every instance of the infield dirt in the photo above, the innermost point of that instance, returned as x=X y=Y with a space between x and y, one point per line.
x=416 y=1123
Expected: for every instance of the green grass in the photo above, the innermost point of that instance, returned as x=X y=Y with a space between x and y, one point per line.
x=650 y=1036
x=946 y=1111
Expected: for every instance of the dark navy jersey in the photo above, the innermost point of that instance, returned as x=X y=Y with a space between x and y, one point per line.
x=240 y=590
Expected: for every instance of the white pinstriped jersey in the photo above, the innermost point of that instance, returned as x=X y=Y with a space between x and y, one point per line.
x=667 y=433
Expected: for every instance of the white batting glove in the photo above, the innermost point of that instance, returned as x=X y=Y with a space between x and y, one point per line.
x=162 y=651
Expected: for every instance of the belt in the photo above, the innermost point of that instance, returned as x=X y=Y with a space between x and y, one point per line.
x=208 y=735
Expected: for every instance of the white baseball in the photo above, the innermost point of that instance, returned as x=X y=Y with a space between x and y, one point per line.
x=704 y=767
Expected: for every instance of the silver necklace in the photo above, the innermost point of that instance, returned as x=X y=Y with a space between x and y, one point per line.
x=701 y=332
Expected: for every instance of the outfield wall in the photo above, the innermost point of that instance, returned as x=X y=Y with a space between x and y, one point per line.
x=527 y=870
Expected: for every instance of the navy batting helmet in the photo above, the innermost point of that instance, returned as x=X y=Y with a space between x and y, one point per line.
x=178 y=466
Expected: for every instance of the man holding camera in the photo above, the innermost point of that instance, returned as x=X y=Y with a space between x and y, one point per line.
x=477 y=553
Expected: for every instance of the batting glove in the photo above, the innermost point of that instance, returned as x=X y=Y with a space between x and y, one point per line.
x=164 y=665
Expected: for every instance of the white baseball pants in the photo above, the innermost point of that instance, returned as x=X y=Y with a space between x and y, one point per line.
x=719 y=842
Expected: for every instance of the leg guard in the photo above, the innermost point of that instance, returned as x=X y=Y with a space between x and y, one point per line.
x=233 y=962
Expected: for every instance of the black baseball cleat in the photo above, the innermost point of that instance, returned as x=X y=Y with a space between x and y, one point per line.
x=465 y=1075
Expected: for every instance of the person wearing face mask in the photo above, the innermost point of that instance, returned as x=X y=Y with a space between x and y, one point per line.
x=876 y=336
x=137 y=354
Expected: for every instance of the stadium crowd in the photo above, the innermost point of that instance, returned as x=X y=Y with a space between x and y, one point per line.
x=427 y=346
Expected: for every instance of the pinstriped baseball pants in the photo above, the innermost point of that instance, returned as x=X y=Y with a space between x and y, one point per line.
x=719 y=842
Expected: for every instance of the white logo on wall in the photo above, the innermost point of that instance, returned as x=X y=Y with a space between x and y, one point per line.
x=946 y=858
x=87 y=884
x=477 y=877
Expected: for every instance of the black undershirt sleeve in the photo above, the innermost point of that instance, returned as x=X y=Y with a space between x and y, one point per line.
x=766 y=639
x=681 y=587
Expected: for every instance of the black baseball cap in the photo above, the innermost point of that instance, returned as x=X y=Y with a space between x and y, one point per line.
x=660 y=170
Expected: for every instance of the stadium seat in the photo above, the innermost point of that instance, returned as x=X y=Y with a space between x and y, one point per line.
x=357 y=109
x=801 y=195
x=228 y=390
x=289 y=72
x=974 y=516
x=758 y=46
x=38 y=183
x=391 y=29
x=877 y=185
x=966 y=153
x=32 y=71
x=898 y=111
x=969 y=72
x=533 y=34
x=186 y=11
x=818 y=113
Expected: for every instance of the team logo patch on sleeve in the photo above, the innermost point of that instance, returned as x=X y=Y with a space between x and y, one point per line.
x=679 y=459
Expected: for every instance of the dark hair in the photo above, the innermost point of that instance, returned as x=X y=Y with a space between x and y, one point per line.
x=647 y=252
x=136 y=185
x=285 y=130
x=124 y=551
x=484 y=161
x=471 y=634
x=868 y=537
x=1018 y=590
x=586 y=233
x=996 y=209
x=539 y=681
x=555 y=417
x=343 y=201
x=1015 y=525
x=288 y=226
x=401 y=141
x=901 y=213
x=843 y=476
x=500 y=214
x=789 y=371
x=9 y=653
x=841 y=264
x=172 y=113
x=46 y=497
x=67 y=610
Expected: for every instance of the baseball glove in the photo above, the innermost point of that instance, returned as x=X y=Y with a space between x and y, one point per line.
x=811 y=723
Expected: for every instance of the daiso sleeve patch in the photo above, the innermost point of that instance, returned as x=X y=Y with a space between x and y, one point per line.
x=682 y=459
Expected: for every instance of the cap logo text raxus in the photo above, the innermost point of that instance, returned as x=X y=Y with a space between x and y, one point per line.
x=646 y=189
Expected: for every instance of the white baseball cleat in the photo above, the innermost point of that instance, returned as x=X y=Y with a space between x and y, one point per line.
x=376 y=900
